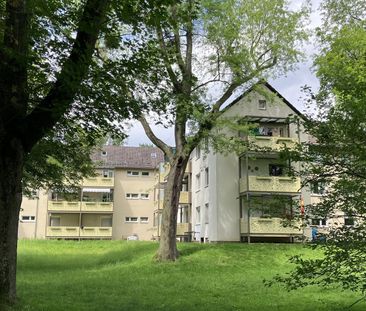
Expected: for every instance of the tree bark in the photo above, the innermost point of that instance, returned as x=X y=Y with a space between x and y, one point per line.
x=11 y=167
x=168 y=243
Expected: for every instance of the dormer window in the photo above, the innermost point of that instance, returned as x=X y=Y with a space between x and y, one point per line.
x=262 y=104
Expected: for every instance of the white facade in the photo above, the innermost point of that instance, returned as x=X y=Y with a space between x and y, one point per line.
x=217 y=214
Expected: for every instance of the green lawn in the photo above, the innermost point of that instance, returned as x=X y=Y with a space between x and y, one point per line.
x=115 y=275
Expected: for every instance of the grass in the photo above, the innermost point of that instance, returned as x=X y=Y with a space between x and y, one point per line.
x=115 y=275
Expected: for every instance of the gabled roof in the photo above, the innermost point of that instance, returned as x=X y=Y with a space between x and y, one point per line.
x=273 y=90
x=128 y=157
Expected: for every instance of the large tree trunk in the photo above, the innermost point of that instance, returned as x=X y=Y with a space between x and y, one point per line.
x=11 y=167
x=168 y=242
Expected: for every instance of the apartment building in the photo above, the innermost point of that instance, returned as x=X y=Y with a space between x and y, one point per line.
x=246 y=197
x=116 y=203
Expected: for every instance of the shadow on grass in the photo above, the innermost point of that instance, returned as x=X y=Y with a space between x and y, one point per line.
x=41 y=262
x=186 y=250
x=135 y=251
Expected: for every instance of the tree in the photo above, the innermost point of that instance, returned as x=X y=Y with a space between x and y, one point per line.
x=57 y=91
x=203 y=46
x=336 y=158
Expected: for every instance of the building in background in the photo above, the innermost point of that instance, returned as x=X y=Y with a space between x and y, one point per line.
x=115 y=204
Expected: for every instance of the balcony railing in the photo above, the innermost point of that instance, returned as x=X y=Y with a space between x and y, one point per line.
x=64 y=231
x=185 y=197
x=80 y=206
x=63 y=206
x=270 y=184
x=98 y=181
x=97 y=206
x=76 y=232
x=275 y=143
x=96 y=232
x=183 y=228
x=269 y=226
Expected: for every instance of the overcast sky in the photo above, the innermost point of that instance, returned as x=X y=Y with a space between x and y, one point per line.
x=288 y=86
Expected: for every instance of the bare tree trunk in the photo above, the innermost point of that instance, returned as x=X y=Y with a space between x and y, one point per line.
x=168 y=242
x=11 y=167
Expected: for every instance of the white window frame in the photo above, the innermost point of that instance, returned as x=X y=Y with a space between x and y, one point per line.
x=198 y=215
x=198 y=181
x=207 y=177
x=143 y=197
x=103 y=153
x=130 y=197
x=144 y=221
x=31 y=218
x=262 y=104
x=145 y=175
x=128 y=219
x=198 y=152
x=131 y=173
x=107 y=173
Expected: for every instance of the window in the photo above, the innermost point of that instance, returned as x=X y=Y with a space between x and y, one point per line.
x=144 y=196
x=133 y=173
x=198 y=215
x=132 y=196
x=198 y=152
x=131 y=219
x=145 y=173
x=107 y=173
x=106 y=222
x=319 y=222
x=349 y=220
x=206 y=213
x=153 y=155
x=275 y=170
x=206 y=176
x=104 y=153
x=262 y=104
x=28 y=218
x=144 y=220
x=317 y=187
x=55 y=221
x=198 y=181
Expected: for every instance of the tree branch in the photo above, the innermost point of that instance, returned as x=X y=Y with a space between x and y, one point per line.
x=154 y=139
x=168 y=67
x=61 y=95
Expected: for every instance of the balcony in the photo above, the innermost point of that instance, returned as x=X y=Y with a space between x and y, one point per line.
x=270 y=184
x=97 y=206
x=269 y=227
x=76 y=232
x=64 y=231
x=98 y=181
x=276 y=143
x=96 y=232
x=185 y=197
x=189 y=168
x=183 y=228
x=69 y=206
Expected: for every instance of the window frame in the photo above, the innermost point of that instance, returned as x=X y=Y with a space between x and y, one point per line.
x=128 y=219
x=130 y=197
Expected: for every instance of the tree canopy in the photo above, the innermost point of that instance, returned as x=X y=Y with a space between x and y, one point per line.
x=200 y=56
x=336 y=157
